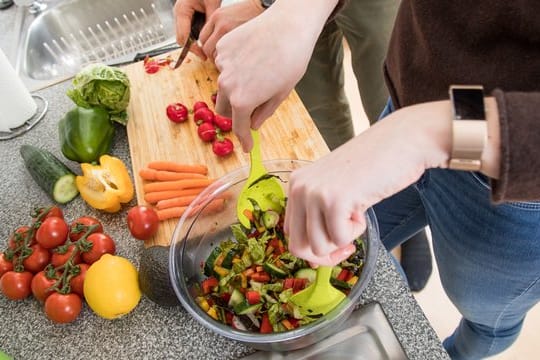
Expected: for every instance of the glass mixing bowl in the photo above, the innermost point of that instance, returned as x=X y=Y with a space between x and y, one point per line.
x=196 y=236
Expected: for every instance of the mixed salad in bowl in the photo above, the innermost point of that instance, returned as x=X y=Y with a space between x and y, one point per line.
x=249 y=278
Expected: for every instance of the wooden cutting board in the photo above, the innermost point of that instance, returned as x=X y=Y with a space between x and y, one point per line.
x=289 y=134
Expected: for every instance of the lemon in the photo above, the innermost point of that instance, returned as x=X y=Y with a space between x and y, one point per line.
x=111 y=286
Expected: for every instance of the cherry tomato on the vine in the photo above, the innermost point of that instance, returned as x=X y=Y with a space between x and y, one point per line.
x=143 y=222
x=63 y=308
x=5 y=264
x=37 y=260
x=58 y=259
x=77 y=282
x=16 y=285
x=51 y=211
x=18 y=236
x=78 y=227
x=41 y=286
x=52 y=232
x=101 y=244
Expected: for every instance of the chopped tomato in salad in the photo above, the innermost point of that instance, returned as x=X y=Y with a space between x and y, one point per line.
x=251 y=276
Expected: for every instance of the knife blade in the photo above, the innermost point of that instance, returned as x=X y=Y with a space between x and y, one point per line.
x=197 y=24
x=183 y=53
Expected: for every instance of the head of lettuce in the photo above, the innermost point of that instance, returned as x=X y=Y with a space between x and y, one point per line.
x=103 y=86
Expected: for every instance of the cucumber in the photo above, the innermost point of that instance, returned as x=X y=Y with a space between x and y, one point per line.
x=227 y=260
x=340 y=284
x=270 y=219
x=245 y=308
x=53 y=176
x=236 y=298
x=210 y=260
x=306 y=273
x=274 y=270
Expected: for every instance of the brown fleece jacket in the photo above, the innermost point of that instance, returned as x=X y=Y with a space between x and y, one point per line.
x=493 y=43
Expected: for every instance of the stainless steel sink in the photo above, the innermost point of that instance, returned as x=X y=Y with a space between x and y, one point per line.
x=57 y=42
x=366 y=335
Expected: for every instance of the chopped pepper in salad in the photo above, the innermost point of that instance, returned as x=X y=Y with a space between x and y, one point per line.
x=251 y=276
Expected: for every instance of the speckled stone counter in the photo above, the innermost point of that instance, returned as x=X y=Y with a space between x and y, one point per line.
x=150 y=331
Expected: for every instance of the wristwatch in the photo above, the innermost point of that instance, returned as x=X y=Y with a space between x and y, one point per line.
x=266 y=3
x=469 y=127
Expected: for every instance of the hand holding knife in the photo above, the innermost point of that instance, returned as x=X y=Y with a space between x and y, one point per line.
x=197 y=24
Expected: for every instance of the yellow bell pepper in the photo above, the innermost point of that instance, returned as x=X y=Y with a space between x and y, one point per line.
x=107 y=185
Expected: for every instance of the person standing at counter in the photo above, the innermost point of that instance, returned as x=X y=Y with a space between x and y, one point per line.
x=472 y=178
x=366 y=24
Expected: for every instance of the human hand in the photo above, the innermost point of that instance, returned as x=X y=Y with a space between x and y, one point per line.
x=225 y=19
x=327 y=200
x=183 y=14
x=261 y=61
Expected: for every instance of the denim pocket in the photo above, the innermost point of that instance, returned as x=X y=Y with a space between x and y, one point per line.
x=482 y=181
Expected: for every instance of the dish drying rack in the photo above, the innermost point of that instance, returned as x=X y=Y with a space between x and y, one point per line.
x=121 y=39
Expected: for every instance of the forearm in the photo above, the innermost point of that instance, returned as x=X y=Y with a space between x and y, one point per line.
x=432 y=126
x=307 y=14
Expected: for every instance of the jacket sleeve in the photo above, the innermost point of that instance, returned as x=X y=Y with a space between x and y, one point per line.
x=339 y=6
x=519 y=116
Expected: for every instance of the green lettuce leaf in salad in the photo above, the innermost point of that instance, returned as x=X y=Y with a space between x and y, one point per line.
x=285 y=295
x=292 y=262
x=104 y=86
x=256 y=250
x=275 y=313
x=239 y=234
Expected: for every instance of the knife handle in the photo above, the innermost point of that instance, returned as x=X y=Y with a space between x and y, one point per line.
x=197 y=24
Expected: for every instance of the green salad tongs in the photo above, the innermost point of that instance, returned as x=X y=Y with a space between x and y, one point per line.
x=261 y=187
x=320 y=297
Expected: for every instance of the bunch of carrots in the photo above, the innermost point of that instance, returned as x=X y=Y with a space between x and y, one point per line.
x=170 y=187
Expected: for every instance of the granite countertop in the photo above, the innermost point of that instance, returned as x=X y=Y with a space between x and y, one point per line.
x=150 y=331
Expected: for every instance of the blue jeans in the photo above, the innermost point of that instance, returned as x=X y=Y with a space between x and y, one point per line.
x=488 y=255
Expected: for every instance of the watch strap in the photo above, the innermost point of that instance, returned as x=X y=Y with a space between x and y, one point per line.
x=468 y=141
x=469 y=127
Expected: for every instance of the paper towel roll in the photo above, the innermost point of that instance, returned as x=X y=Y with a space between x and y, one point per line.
x=16 y=103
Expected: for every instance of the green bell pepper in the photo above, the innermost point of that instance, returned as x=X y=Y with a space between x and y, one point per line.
x=85 y=134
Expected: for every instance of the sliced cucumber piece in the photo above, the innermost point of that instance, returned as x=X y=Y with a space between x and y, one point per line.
x=227 y=261
x=210 y=260
x=274 y=270
x=246 y=308
x=340 y=284
x=306 y=273
x=270 y=219
x=236 y=298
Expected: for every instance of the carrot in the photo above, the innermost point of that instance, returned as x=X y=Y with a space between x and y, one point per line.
x=213 y=206
x=155 y=196
x=176 y=201
x=178 y=167
x=178 y=211
x=248 y=214
x=176 y=185
x=162 y=175
x=184 y=200
x=171 y=213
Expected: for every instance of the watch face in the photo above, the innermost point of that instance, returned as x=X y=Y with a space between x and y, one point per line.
x=267 y=3
x=468 y=103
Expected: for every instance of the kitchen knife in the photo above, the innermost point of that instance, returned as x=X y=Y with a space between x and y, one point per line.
x=196 y=25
